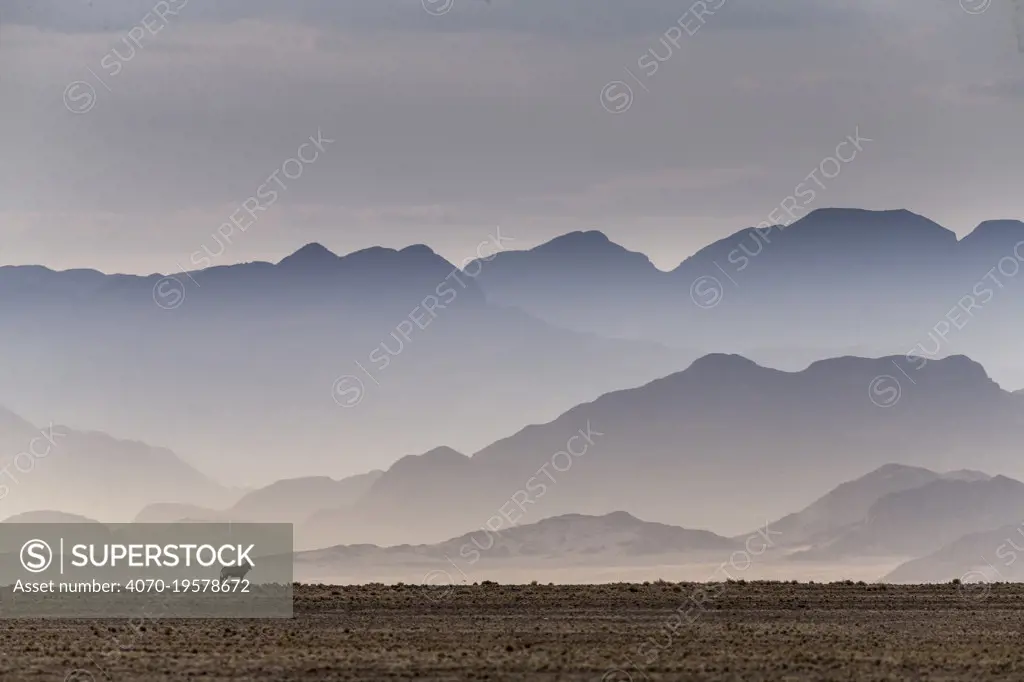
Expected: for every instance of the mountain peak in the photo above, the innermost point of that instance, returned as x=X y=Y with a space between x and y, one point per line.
x=837 y=213
x=714 y=369
x=418 y=250
x=844 y=211
x=1013 y=229
x=592 y=244
x=443 y=456
x=866 y=221
x=311 y=254
x=622 y=519
x=894 y=468
x=718 y=362
x=965 y=369
x=580 y=239
x=826 y=233
x=954 y=372
x=966 y=475
x=445 y=452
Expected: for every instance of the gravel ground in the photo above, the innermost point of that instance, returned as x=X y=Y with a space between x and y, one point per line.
x=615 y=633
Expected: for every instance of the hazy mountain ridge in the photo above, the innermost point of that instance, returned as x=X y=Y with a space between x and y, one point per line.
x=48 y=516
x=614 y=538
x=79 y=469
x=851 y=502
x=830 y=274
x=314 y=319
x=923 y=519
x=675 y=450
x=304 y=273
x=242 y=375
x=617 y=532
x=949 y=515
x=979 y=557
x=286 y=501
x=277 y=342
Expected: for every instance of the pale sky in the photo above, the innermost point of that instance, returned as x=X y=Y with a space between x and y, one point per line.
x=448 y=123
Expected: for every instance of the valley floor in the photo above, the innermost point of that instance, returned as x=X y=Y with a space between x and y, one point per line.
x=613 y=633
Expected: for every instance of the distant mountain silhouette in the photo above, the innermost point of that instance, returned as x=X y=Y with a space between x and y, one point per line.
x=572 y=538
x=293 y=500
x=91 y=473
x=921 y=520
x=720 y=445
x=617 y=533
x=238 y=374
x=245 y=375
x=980 y=557
x=311 y=258
x=843 y=278
x=47 y=516
x=288 y=501
x=852 y=501
x=563 y=281
x=966 y=475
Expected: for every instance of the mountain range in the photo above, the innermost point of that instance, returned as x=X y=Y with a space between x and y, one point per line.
x=550 y=397
x=851 y=503
x=262 y=371
x=963 y=524
x=723 y=445
x=301 y=368
x=923 y=519
x=880 y=280
x=571 y=539
x=296 y=501
x=899 y=513
x=981 y=557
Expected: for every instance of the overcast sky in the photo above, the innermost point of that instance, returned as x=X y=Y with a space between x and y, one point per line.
x=479 y=113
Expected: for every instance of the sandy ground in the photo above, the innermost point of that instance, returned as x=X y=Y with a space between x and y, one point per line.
x=614 y=633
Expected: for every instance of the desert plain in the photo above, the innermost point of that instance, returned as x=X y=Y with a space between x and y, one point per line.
x=621 y=632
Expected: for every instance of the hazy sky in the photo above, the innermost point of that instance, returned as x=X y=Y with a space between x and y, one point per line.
x=479 y=113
